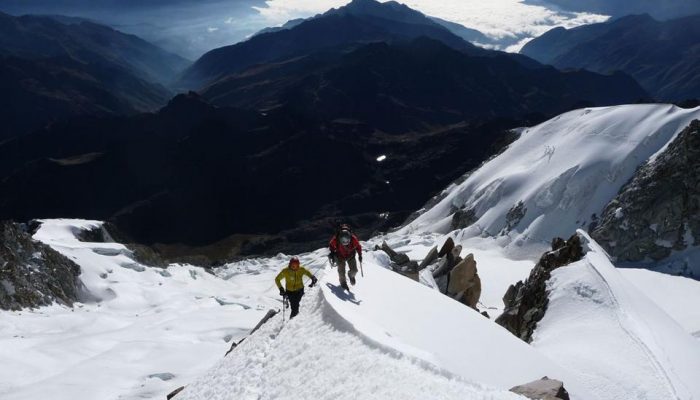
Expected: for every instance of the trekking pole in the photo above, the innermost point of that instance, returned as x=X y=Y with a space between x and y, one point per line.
x=284 y=306
x=362 y=271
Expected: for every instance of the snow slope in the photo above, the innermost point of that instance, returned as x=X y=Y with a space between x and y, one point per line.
x=139 y=332
x=563 y=171
x=392 y=338
x=678 y=296
x=619 y=342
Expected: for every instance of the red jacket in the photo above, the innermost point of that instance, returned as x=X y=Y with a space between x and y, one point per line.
x=345 y=252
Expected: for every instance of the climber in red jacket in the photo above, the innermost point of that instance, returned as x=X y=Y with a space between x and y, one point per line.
x=344 y=246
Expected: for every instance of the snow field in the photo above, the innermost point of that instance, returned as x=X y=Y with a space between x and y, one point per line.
x=678 y=296
x=563 y=171
x=139 y=332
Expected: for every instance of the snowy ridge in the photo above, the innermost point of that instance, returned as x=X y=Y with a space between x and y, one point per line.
x=368 y=344
x=564 y=171
x=633 y=349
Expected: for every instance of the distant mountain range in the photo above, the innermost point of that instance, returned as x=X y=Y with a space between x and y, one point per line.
x=55 y=67
x=284 y=111
x=617 y=8
x=662 y=56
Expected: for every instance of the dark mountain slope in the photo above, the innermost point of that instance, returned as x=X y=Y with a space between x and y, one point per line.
x=34 y=92
x=662 y=56
x=194 y=173
x=416 y=86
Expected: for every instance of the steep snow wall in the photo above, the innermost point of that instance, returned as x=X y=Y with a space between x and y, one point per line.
x=558 y=176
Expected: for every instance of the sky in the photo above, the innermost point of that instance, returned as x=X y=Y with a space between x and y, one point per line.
x=192 y=27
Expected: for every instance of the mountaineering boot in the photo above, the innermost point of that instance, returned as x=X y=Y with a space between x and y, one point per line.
x=344 y=285
x=352 y=280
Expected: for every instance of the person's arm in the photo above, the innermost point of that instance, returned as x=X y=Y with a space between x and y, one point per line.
x=358 y=247
x=333 y=247
x=278 y=280
x=310 y=275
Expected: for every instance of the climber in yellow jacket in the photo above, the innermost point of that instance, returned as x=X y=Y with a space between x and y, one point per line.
x=293 y=277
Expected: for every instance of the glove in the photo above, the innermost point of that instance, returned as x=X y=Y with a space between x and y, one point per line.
x=332 y=258
x=282 y=292
x=313 y=281
x=360 y=257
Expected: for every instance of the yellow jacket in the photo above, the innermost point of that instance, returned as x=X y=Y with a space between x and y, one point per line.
x=293 y=279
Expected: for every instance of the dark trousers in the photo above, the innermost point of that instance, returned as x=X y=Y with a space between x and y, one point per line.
x=294 y=299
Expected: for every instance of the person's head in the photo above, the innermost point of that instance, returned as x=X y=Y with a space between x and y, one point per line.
x=294 y=263
x=345 y=237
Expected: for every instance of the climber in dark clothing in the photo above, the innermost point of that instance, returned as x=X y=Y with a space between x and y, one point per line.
x=344 y=246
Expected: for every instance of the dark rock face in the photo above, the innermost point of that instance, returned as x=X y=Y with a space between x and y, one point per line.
x=463 y=218
x=526 y=302
x=542 y=389
x=31 y=273
x=658 y=211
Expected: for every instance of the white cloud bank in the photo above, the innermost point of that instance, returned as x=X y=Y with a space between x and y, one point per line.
x=509 y=23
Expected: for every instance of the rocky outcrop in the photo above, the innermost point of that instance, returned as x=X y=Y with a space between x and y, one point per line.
x=400 y=262
x=526 y=302
x=464 y=283
x=542 y=389
x=31 y=273
x=452 y=275
x=658 y=211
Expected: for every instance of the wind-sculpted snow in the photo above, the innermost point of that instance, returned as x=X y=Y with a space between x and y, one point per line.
x=138 y=332
x=619 y=342
x=558 y=176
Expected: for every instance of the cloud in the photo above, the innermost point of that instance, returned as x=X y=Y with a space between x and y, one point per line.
x=508 y=23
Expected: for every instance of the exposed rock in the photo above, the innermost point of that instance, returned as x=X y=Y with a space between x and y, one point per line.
x=526 y=302
x=463 y=218
x=658 y=211
x=542 y=389
x=398 y=258
x=464 y=284
x=449 y=261
x=31 y=273
x=430 y=258
x=473 y=293
x=514 y=216
x=446 y=247
x=462 y=275
x=175 y=392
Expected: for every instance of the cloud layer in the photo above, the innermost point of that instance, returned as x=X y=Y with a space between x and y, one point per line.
x=509 y=23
